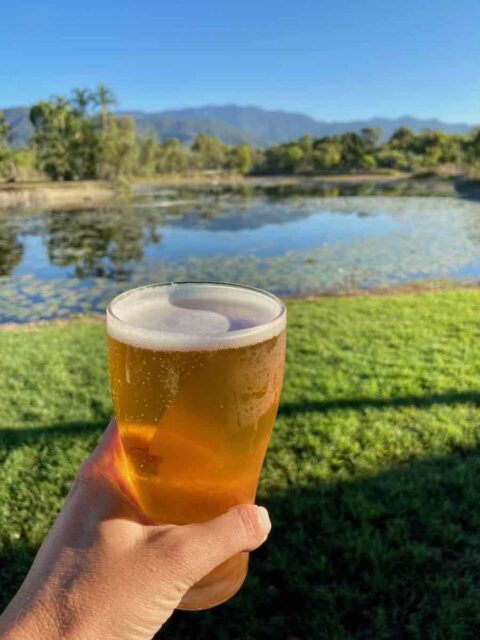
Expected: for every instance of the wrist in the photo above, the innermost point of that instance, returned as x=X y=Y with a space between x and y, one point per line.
x=41 y=621
x=22 y=621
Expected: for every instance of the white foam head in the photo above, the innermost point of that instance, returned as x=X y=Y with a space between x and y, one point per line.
x=191 y=315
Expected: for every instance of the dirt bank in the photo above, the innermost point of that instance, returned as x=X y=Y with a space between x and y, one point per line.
x=41 y=195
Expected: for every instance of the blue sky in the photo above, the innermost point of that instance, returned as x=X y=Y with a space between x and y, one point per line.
x=333 y=59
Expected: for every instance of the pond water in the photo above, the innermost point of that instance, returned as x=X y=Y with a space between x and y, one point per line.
x=56 y=263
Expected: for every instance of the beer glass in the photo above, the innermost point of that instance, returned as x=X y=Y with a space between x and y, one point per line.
x=196 y=371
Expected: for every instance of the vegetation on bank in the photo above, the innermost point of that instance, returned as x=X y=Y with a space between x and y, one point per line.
x=78 y=138
x=371 y=478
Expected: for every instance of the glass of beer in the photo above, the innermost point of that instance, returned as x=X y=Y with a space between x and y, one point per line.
x=196 y=371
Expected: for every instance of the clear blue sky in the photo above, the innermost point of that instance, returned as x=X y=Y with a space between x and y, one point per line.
x=333 y=59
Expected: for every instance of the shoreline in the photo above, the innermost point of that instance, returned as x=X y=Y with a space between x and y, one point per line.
x=43 y=195
x=88 y=193
x=232 y=179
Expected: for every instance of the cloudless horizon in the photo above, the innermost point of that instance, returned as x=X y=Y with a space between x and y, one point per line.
x=333 y=61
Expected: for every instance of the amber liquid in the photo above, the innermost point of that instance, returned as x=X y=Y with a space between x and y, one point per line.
x=195 y=426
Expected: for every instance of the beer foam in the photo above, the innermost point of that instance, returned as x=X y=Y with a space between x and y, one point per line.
x=200 y=316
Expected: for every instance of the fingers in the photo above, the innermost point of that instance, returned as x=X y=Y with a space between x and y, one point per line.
x=242 y=528
x=108 y=444
x=107 y=457
x=107 y=467
x=199 y=548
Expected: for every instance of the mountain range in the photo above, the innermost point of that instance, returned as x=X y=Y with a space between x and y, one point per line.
x=234 y=124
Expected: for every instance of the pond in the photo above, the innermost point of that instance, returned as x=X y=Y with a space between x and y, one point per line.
x=57 y=263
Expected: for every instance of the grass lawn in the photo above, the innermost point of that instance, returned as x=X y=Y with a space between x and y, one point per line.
x=372 y=478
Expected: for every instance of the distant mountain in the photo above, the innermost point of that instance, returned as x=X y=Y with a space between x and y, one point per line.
x=389 y=125
x=169 y=124
x=234 y=124
x=264 y=127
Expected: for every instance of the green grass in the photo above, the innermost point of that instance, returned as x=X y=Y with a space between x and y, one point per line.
x=372 y=478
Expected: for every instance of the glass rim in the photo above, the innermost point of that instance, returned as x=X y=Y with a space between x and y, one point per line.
x=235 y=333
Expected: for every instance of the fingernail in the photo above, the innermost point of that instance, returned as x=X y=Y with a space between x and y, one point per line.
x=264 y=519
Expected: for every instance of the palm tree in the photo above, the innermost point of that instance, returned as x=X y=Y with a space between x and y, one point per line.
x=81 y=100
x=104 y=98
x=58 y=109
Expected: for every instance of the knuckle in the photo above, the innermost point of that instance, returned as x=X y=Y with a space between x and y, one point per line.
x=249 y=523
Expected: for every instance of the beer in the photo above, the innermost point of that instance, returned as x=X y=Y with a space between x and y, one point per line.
x=196 y=371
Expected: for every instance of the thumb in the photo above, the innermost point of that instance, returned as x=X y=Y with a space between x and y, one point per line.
x=206 y=545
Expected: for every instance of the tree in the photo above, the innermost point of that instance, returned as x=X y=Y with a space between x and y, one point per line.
x=368 y=161
x=5 y=130
x=454 y=148
x=353 y=149
x=430 y=148
x=473 y=147
x=82 y=99
x=173 y=157
x=72 y=143
x=211 y=151
x=293 y=155
x=241 y=158
x=147 y=155
x=104 y=98
x=24 y=162
x=370 y=137
x=6 y=155
x=283 y=158
x=65 y=143
x=402 y=139
x=394 y=159
x=306 y=143
x=53 y=132
x=327 y=154
x=117 y=149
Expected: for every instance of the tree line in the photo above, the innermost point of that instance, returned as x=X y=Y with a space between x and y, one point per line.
x=77 y=137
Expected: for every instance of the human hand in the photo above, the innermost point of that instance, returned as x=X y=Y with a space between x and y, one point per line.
x=103 y=571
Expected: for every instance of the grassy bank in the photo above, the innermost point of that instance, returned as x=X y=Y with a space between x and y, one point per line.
x=372 y=477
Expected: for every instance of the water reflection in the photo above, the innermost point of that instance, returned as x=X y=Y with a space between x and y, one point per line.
x=11 y=249
x=100 y=243
x=279 y=238
x=284 y=188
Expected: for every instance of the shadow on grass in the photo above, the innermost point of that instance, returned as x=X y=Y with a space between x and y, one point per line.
x=392 y=556
x=17 y=436
x=11 y=437
x=425 y=402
